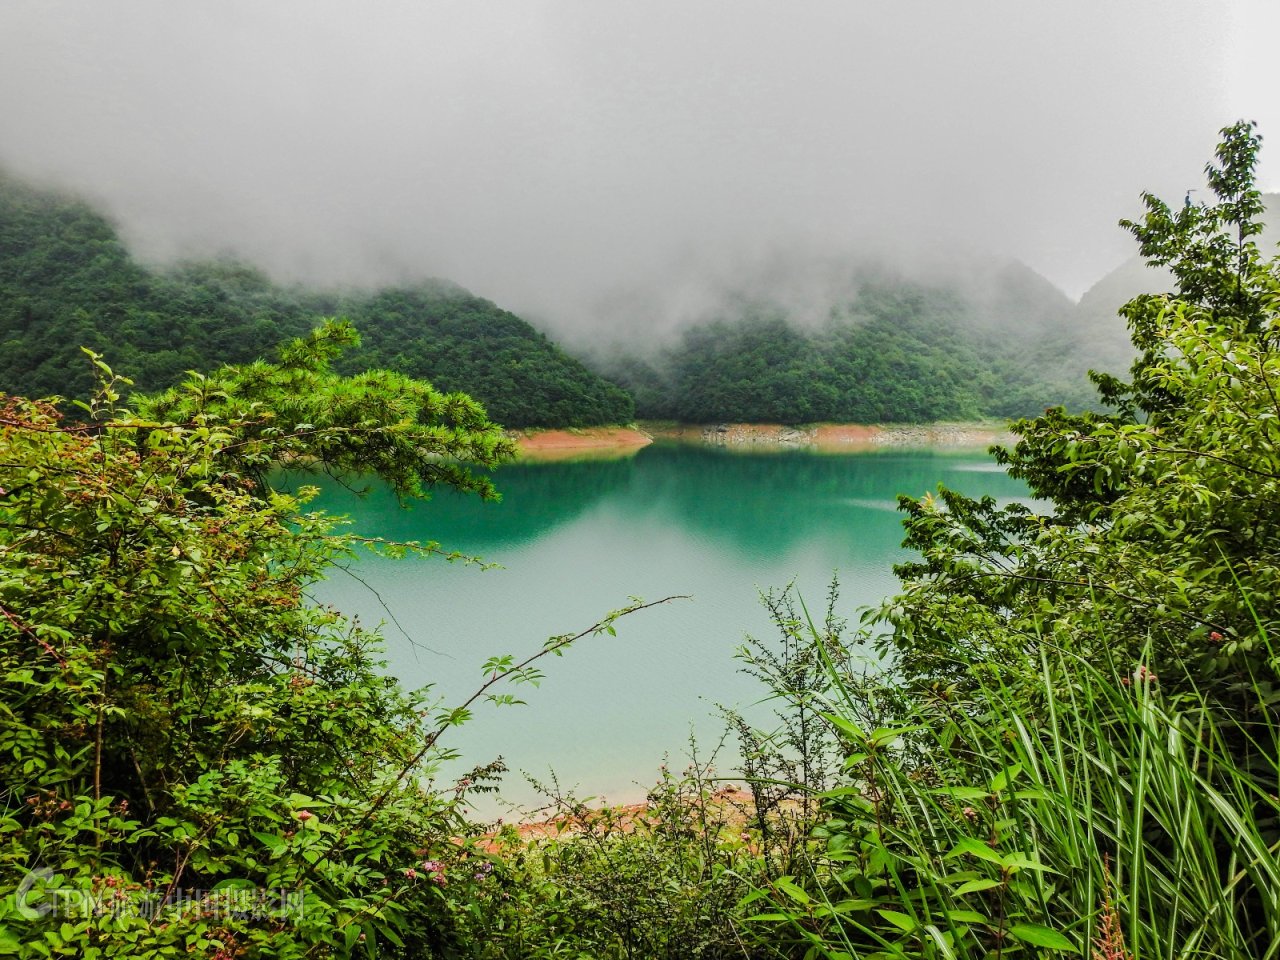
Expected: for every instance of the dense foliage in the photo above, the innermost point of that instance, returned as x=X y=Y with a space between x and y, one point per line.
x=1111 y=818
x=195 y=759
x=1078 y=748
x=1159 y=528
x=662 y=882
x=1074 y=750
x=896 y=350
x=67 y=281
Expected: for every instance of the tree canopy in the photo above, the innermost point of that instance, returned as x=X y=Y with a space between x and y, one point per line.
x=892 y=349
x=1157 y=528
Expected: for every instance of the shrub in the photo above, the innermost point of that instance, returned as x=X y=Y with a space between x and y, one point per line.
x=1147 y=514
x=1112 y=817
x=656 y=880
x=194 y=758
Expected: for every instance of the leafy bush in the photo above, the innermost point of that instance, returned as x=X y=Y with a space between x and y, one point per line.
x=1112 y=816
x=659 y=880
x=1076 y=747
x=195 y=758
x=1149 y=514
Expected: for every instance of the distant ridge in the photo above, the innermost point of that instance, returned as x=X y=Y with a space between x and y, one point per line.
x=1102 y=338
x=969 y=339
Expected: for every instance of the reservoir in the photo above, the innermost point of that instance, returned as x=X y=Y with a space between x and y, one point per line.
x=575 y=540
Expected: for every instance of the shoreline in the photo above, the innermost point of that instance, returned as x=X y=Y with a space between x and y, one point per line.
x=836 y=437
x=732 y=804
x=579 y=443
x=624 y=441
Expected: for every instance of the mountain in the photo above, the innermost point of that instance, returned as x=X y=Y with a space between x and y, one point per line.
x=67 y=280
x=963 y=339
x=797 y=339
x=1102 y=337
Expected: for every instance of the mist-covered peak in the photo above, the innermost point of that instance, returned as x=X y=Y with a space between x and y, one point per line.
x=1101 y=334
x=66 y=281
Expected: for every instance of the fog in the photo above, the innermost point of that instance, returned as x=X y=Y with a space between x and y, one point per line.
x=603 y=165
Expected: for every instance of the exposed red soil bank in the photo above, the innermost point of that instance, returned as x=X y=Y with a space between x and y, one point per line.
x=567 y=444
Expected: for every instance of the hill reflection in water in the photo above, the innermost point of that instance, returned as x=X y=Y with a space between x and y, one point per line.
x=575 y=540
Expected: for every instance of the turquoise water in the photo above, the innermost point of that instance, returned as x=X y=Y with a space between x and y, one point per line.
x=575 y=540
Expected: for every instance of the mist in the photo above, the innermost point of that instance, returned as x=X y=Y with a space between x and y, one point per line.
x=605 y=169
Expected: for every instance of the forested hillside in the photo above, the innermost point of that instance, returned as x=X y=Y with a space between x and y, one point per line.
x=976 y=339
x=992 y=343
x=66 y=281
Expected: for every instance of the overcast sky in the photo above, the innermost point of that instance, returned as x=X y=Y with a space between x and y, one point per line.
x=550 y=154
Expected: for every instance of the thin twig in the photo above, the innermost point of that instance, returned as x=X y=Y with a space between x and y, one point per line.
x=496 y=678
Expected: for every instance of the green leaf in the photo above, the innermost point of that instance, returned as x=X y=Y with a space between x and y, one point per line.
x=269 y=840
x=965 y=916
x=1041 y=936
x=847 y=727
x=976 y=886
x=787 y=885
x=961 y=793
x=1016 y=861
x=902 y=921
x=1001 y=780
x=843 y=907
x=235 y=883
x=975 y=848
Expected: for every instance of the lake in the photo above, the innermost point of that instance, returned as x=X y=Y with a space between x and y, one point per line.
x=575 y=540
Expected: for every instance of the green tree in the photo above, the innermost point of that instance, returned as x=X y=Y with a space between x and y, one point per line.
x=297 y=411
x=1076 y=746
x=1158 y=530
x=177 y=716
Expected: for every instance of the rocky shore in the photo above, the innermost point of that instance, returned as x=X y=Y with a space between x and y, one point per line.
x=839 y=436
x=828 y=437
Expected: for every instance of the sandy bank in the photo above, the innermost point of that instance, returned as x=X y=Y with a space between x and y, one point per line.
x=578 y=443
x=614 y=442
x=731 y=807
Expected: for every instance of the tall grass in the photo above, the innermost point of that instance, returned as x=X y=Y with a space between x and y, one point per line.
x=1096 y=813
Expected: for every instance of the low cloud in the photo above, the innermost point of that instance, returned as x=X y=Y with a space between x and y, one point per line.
x=602 y=166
